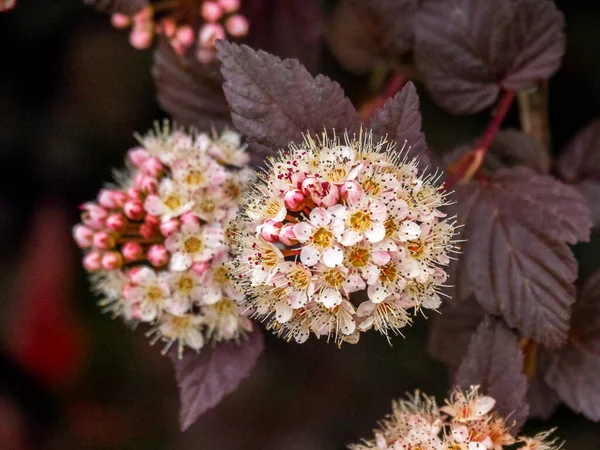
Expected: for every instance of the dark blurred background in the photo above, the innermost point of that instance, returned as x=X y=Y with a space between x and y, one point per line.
x=72 y=92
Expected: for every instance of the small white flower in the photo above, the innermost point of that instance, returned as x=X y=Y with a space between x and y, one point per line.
x=172 y=201
x=317 y=235
x=194 y=243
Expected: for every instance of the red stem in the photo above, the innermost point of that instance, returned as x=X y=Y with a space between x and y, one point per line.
x=392 y=87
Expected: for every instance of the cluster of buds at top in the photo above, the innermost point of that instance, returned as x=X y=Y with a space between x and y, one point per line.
x=466 y=422
x=155 y=243
x=185 y=22
x=330 y=218
x=6 y=5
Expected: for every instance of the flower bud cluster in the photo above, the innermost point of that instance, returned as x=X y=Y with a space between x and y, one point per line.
x=178 y=22
x=466 y=422
x=330 y=218
x=155 y=243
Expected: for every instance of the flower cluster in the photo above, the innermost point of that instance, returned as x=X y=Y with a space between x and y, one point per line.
x=466 y=422
x=177 y=20
x=329 y=218
x=7 y=5
x=155 y=243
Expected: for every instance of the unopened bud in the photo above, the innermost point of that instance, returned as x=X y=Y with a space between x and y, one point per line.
x=112 y=261
x=83 y=236
x=146 y=183
x=120 y=21
x=350 y=191
x=116 y=222
x=92 y=262
x=270 y=230
x=106 y=199
x=229 y=6
x=138 y=155
x=146 y=231
x=152 y=167
x=169 y=227
x=209 y=33
x=237 y=26
x=200 y=267
x=103 y=240
x=287 y=235
x=158 y=255
x=211 y=11
x=185 y=35
x=132 y=251
x=294 y=200
x=134 y=210
x=189 y=217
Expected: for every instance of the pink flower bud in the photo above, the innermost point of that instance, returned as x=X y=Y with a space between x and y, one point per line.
x=120 y=21
x=134 y=210
x=229 y=6
x=189 y=217
x=169 y=28
x=294 y=200
x=93 y=224
x=134 y=194
x=211 y=11
x=152 y=221
x=146 y=183
x=177 y=46
x=144 y=15
x=112 y=261
x=120 y=198
x=209 y=33
x=135 y=274
x=169 y=227
x=132 y=251
x=270 y=230
x=200 y=267
x=287 y=235
x=103 y=240
x=94 y=211
x=351 y=191
x=158 y=255
x=185 y=35
x=206 y=56
x=138 y=155
x=322 y=193
x=106 y=199
x=116 y=222
x=83 y=236
x=152 y=167
x=237 y=26
x=146 y=231
x=92 y=262
x=140 y=38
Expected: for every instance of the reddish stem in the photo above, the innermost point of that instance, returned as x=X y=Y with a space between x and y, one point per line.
x=474 y=159
x=392 y=87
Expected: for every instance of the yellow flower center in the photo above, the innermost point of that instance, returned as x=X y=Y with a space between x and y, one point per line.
x=360 y=221
x=154 y=293
x=333 y=278
x=193 y=245
x=371 y=187
x=173 y=202
x=359 y=257
x=390 y=227
x=388 y=274
x=269 y=258
x=181 y=322
x=221 y=275
x=185 y=285
x=323 y=238
x=416 y=249
x=273 y=208
x=231 y=189
x=298 y=278
x=194 y=178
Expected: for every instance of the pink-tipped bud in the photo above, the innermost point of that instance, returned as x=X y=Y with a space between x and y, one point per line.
x=132 y=251
x=270 y=230
x=95 y=212
x=120 y=21
x=112 y=261
x=177 y=46
x=92 y=262
x=158 y=255
x=147 y=231
x=140 y=38
x=93 y=224
x=152 y=221
x=209 y=33
x=237 y=26
x=287 y=235
x=106 y=199
x=134 y=210
x=103 y=240
x=144 y=15
x=200 y=267
x=116 y=222
x=206 y=56
x=211 y=11
x=229 y=6
x=294 y=200
x=185 y=35
x=189 y=217
x=152 y=167
x=350 y=191
x=138 y=155
x=169 y=227
x=83 y=236
x=134 y=194
x=120 y=198
x=169 y=28
x=146 y=183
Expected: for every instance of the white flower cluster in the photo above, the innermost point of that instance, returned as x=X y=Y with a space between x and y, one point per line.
x=329 y=218
x=156 y=242
x=466 y=422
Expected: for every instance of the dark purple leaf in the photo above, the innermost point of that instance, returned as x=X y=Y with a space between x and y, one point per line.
x=494 y=361
x=206 y=377
x=542 y=399
x=364 y=34
x=128 y=7
x=518 y=149
x=468 y=50
x=189 y=90
x=516 y=260
x=400 y=120
x=273 y=101
x=579 y=165
x=574 y=370
x=286 y=28
x=452 y=330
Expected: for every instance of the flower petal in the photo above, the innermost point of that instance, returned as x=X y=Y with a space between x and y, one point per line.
x=333 y=257
x=180 y=261
x=330 y=298
x=310 y=256
x=376 y=232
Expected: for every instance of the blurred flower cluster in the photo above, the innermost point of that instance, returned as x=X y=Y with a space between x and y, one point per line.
x=329 y=218
x=466 y=422
x=185 y=22
x=155 y=242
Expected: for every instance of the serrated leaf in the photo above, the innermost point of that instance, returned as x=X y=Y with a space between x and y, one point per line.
x=574 y=370
x=452 y=330
x=287 y=28
x=468 y=50
x=400 y=120
x=206 y=377
x=494 y=361
x=189 y=90
x=274 y=101
x=516 y=260
x=542 y=399
x=579 y=165
x=128 y=7
x=364 y=34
